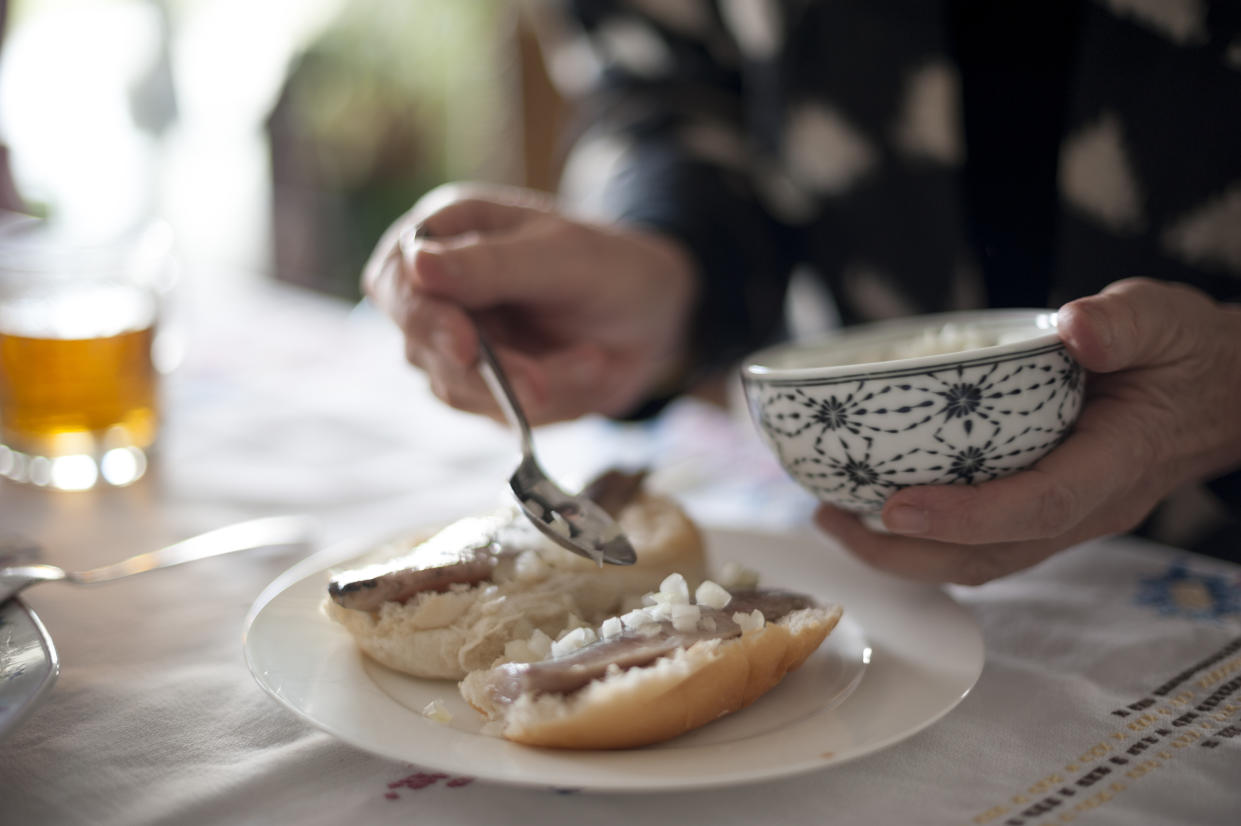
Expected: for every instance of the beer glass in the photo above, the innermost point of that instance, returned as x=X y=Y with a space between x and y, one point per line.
x=79 y=335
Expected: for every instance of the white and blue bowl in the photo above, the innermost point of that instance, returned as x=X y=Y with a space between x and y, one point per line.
x=928 y=400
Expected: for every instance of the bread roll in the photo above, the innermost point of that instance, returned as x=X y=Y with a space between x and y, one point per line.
x=536 y=584
x=648 y=704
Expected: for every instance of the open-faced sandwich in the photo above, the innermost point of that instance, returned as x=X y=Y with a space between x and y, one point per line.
x=653 y=673
x=557 y=651
x=445 y=605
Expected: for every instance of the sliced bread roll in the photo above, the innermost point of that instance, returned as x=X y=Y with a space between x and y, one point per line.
x=452 y=628
x=568 y=701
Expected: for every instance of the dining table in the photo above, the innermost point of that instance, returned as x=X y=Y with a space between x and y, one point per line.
x=1102 y=686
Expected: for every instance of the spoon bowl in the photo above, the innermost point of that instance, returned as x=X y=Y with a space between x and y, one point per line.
x=575 y=522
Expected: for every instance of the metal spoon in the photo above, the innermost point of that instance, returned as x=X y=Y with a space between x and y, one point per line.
x=574 y=522
x=243 y=536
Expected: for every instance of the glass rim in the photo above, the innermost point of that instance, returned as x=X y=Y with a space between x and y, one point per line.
x=36 y=247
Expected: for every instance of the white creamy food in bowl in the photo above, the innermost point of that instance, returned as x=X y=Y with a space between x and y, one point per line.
x=937 y=399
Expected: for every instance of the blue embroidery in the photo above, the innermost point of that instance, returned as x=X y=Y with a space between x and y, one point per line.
x=1185 y=593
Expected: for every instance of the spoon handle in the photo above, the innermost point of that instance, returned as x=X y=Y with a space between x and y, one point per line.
x=242 y=536
x=493 y=375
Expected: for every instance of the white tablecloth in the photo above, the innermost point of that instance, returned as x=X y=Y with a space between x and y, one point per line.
x=1111 y=692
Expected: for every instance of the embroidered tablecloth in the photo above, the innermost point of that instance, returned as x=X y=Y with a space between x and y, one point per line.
x=1111 y=692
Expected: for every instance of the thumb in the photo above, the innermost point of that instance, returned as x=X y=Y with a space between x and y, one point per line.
x=1131 y=323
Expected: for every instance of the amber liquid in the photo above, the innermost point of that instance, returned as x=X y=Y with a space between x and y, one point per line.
x=64 y=396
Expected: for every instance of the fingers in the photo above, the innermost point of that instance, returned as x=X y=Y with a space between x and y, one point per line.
x=441 y=338
x=383 y=277
x=477 y=251
x=438 y=348
x=1130 y=324
x=562 y=384
x=494 y=212
x=550 y=387
x=1030 y=505
x=447 y=211
x=522 y=264
x=1102 y=457
x=926 y=560
x=574 y=337
x=1127 y=449
x=910 y=558
x=1036 y=504
x=440 y=330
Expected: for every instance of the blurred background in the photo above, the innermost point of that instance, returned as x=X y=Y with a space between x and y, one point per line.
x=278 y=138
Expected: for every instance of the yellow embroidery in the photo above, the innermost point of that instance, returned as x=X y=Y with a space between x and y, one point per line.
x=1217 y=675
x=1191 y=726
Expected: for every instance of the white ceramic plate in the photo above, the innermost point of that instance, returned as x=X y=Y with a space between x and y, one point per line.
x=902 y=657
x=28 y=663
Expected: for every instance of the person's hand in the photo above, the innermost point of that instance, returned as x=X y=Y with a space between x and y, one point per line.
x=1163 y=407
x=586 y=318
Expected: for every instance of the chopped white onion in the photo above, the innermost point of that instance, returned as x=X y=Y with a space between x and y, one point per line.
x=636 y=618
x=529 y=566
x=437 y=711
x=712 y=595
x=518 y=651
x=575 y=639
x=661 y=612
x=651 y=629
x=685 y=617
x=736 y=576
x=676 y=587
x=752 y=621
x=612 y=628
x=558 y=524
x=540 y=644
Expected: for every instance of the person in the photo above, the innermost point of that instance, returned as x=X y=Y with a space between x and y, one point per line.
x=915 y=157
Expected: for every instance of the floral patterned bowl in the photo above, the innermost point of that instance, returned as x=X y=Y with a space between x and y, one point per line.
x=928 y=400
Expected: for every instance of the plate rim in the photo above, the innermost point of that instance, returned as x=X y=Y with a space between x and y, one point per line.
x=341 y=552
x=12 y=722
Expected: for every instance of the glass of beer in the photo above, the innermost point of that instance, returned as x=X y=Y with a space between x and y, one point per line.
x=79 y=377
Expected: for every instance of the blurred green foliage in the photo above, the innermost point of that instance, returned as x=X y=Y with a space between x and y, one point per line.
x=391 y=99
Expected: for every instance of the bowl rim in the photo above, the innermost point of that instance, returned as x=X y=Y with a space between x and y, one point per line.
x=753 y=370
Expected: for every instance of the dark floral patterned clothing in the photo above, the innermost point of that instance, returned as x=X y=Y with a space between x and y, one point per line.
x=913 y=155
x=916 y=155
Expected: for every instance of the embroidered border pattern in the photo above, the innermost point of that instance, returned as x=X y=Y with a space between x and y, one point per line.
x=1199 y=706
